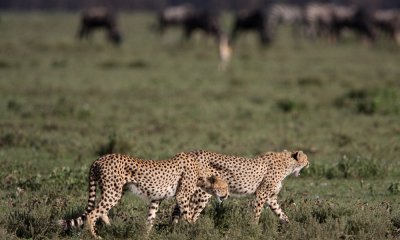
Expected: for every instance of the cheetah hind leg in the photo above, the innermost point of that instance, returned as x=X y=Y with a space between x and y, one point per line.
x=107 y=201
x=176 y=214
x=105 y=219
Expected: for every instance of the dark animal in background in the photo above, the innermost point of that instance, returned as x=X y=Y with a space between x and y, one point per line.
x=207 y=22
x=329 y=21
x=190 y=19
x=100 y=18
x=251 y=20
x=318 y=19
x=202 y=20
x=356 y=19
x=285 y=14
x=388 y=22
x=173 y=16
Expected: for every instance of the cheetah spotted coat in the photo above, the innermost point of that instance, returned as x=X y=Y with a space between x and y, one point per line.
x=152 y=180
x=261 y=176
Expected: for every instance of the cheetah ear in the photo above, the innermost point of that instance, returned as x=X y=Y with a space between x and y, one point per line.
x=296 y=155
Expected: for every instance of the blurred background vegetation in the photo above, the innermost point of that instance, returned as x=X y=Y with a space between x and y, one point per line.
x=158 y=4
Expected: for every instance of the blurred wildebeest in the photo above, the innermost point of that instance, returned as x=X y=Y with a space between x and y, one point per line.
x=208 y=23
x=287 y=14
x=318 y=19
x=357 y=19
x=388 y=21
x=173 y=16
x=202 y=20
x=100 y=18
x=190 y=19
x=252 y=20
x=328 y=20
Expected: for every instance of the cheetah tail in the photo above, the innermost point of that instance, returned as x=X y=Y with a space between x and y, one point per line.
x=80 y=221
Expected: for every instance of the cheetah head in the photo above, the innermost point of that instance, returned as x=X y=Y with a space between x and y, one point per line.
x=301 y=161
x=215 y=186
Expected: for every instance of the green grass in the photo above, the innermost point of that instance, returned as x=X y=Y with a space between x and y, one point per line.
x=64 y=102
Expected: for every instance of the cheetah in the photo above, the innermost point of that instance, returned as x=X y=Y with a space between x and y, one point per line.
x=152 y=180
x=261 y=176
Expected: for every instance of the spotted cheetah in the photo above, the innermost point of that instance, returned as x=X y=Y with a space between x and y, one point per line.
x=153 y=180
x=261 y=176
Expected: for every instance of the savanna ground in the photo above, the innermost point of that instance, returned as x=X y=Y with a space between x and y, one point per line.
x=64 y=102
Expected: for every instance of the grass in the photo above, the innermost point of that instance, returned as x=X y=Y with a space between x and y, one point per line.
x=64 y=102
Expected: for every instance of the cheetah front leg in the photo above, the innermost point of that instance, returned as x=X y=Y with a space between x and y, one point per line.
x=198 y=202
x=153 y=208
x=261 y=198
x=184 y=193
x=269 y=195
x=272 y=201
x=182 y=201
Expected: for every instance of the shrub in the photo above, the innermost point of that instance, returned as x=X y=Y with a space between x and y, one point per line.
x=394 y=188
x=14 y=105
x=137 y=64
x=113 y=145
x=289 y=105
x=63 y=107
x=59 y=63
x=5 y=64
x=309 y=81
x=110 y=64
x=26 y=224
x=370 y=101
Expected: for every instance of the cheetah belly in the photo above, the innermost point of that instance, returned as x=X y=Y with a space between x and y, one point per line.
x=242 y=191
x=137 y=191
x=157 y=194
x=243 y=183
x=243 y=177
x=171 y=190
x=240 y=186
